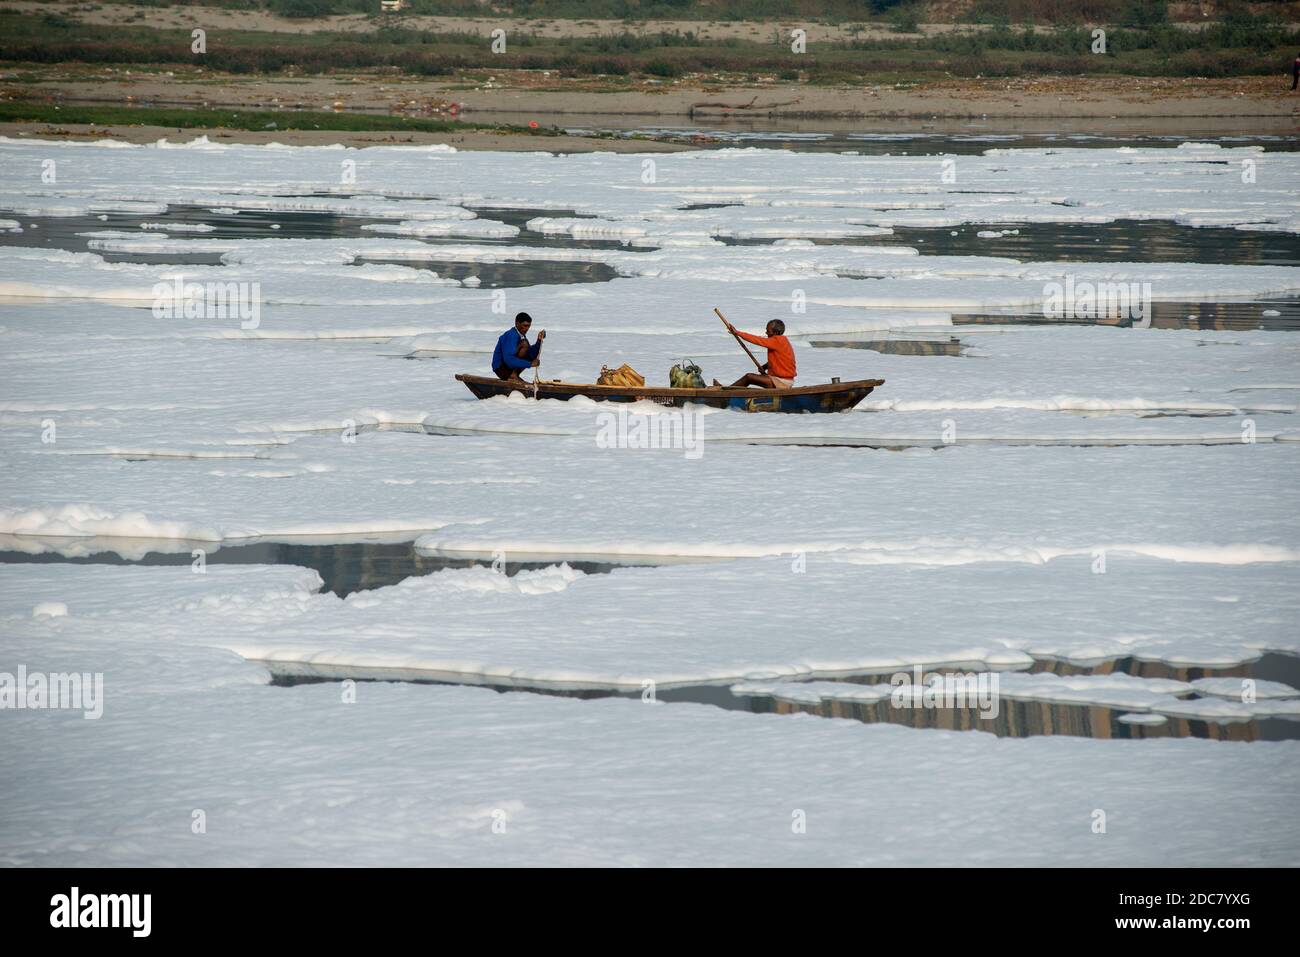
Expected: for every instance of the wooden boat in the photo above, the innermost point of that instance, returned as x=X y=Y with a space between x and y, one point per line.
x=833 y=396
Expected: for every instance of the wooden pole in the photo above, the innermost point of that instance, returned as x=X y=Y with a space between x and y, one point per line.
x=757 y=364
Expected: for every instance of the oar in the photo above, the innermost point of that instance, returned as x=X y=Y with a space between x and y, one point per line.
x=757 y=365
x=537 y=369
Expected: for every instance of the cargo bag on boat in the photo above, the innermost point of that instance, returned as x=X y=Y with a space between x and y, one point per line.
x=686 y=375
x=624 y=375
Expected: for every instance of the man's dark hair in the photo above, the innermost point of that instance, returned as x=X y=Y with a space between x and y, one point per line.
x=778 y=326
x=523 y=317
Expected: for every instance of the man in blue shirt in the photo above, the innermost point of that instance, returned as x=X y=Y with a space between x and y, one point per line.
x=513 y=354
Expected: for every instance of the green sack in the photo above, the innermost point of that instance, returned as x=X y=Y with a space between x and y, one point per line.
x=686 y=375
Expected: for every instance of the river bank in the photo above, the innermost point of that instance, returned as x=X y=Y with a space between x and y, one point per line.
x=550 y=98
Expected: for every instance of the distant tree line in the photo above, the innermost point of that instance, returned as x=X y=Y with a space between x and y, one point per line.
x=1240 y=43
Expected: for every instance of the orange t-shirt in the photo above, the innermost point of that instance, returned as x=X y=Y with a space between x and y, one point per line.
x=780 y=354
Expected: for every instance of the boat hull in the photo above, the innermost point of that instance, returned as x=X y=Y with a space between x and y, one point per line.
x=828 y=397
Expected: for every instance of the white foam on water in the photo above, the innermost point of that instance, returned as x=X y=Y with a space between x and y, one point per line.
x=133 y=431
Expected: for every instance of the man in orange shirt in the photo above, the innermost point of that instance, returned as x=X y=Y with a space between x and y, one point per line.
x=778 y=371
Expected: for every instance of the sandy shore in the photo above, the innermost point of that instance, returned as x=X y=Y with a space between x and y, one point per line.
x=1100 y=97
x=468 y=140
x=547 y=98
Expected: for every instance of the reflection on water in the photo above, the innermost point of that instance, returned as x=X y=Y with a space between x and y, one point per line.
x=508 y=273
x=896 y=347
x=1023 y=719
x=1269 y=667
x=520 y=215
x=349 y=567
x=1125 y=240
x=61 y=232
x=344 y=567
x=1017 y=719
x=1121 y=241
x=1280 y=314
x=64 y=232
x=934 y=135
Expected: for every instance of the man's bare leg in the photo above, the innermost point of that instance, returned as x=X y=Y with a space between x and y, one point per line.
x=748 y=379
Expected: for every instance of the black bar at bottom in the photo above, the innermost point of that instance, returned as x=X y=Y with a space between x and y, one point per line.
x=335 y=906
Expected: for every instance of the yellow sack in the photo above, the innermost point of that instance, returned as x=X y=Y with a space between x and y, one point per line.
x=624 y=375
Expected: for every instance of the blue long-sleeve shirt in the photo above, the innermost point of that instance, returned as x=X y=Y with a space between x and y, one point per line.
x=507 y=346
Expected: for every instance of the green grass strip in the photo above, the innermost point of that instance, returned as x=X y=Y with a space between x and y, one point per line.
x=238 y=119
